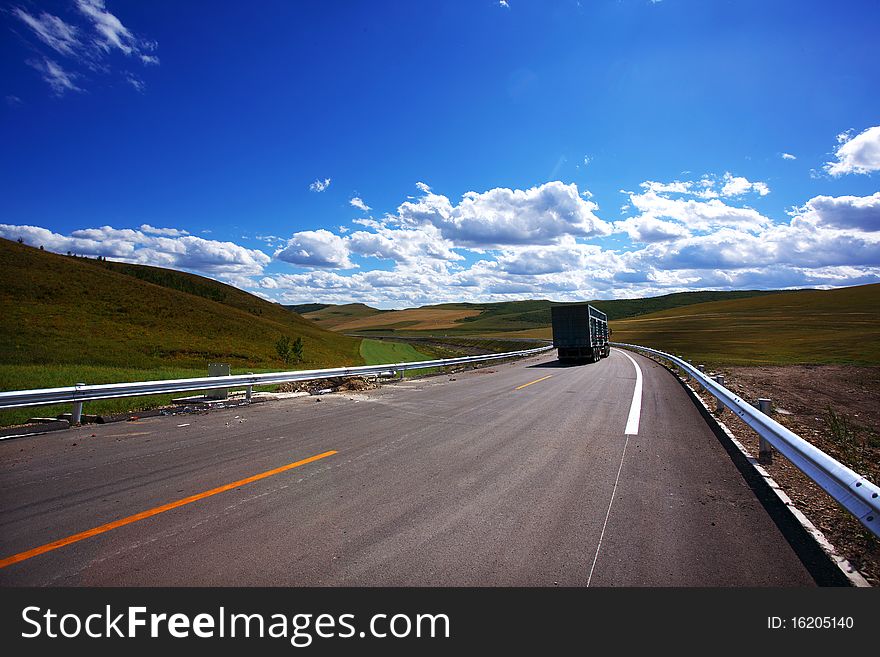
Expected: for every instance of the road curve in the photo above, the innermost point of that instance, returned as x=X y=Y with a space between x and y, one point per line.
x=518 y=474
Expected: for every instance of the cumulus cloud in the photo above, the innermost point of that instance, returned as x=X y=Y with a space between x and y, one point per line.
x=858 y=212
x=320 y=185
x=359 y=204
x=503 y=217
x=677 y=244
x=787 y=156
x=859 y=154
x=684 y=243
x=648 y=228
x=737 y=186
x=166 y=232
x=316 y=248
x=696 y=215
x=709 y=187
x=423 y=247
x=569 y=256
x=222 y=259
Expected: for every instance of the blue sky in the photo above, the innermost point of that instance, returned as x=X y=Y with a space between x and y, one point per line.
x=474 y=151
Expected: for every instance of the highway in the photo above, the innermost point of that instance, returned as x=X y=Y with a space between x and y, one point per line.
x=527 y=473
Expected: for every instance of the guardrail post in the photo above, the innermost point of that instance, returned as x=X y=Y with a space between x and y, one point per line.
x=76 y=415
x=719 y=407
x=765 y=449
x=702 y=368
x=249 y=390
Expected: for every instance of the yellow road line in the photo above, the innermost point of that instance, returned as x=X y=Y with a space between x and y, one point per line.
x=54 y=545
x=531 y=382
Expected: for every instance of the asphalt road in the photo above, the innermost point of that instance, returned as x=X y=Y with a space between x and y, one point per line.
x=518 y=474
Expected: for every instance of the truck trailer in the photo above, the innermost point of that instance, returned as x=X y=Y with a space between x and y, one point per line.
x=580 y=333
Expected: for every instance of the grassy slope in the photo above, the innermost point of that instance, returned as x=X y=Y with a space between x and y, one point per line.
x=527 y=318
x=331 y=316
x=379 y=352
x=64 y=310
x=303 y=308
x=807 y=326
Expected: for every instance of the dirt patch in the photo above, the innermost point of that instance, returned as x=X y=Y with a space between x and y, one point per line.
x=336 y=384
x=837 y=409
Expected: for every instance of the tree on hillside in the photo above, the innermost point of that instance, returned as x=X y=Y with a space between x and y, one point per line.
x=297 y=349
x=289 y=350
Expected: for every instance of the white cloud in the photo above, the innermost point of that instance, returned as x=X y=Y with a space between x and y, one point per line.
x=698 y=215
x=137 y=83
x=677 y=244
x=569 y=256
x=422 y=247
x=225 y=260
x=423 y=188
x=320 y=185
x=676 y=187
x=165 y=232
x=111 y=33
x=855 y=212
x=503 y=217
x=503 y=3
x=59 y=80
x=859 y=154
x=737 y=186
x=316 y=248
x=51 y=30
x=359 y=204
x=788 y=156
x=85 y=45
x=648 y=228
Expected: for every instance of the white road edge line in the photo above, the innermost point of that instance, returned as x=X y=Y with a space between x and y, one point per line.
x=635 y=409
x=632 y=429
x=608 y=513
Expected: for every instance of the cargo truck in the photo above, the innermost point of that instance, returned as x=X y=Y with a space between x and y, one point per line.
x=580 y=333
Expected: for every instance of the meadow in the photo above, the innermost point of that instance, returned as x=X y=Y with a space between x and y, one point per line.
x=839 y=326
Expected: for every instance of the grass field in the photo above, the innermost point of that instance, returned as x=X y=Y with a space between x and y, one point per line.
x=529 y=318
x=378 y=352
x=330 y=317
x=807 y=326
x=415 y=319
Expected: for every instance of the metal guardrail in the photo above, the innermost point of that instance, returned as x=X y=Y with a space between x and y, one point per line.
x=80 y=393
x=849 y=489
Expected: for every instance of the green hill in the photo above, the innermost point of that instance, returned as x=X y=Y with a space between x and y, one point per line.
x=804 y=326
x=329 y=316
x=62 y=310
x=303 y=308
